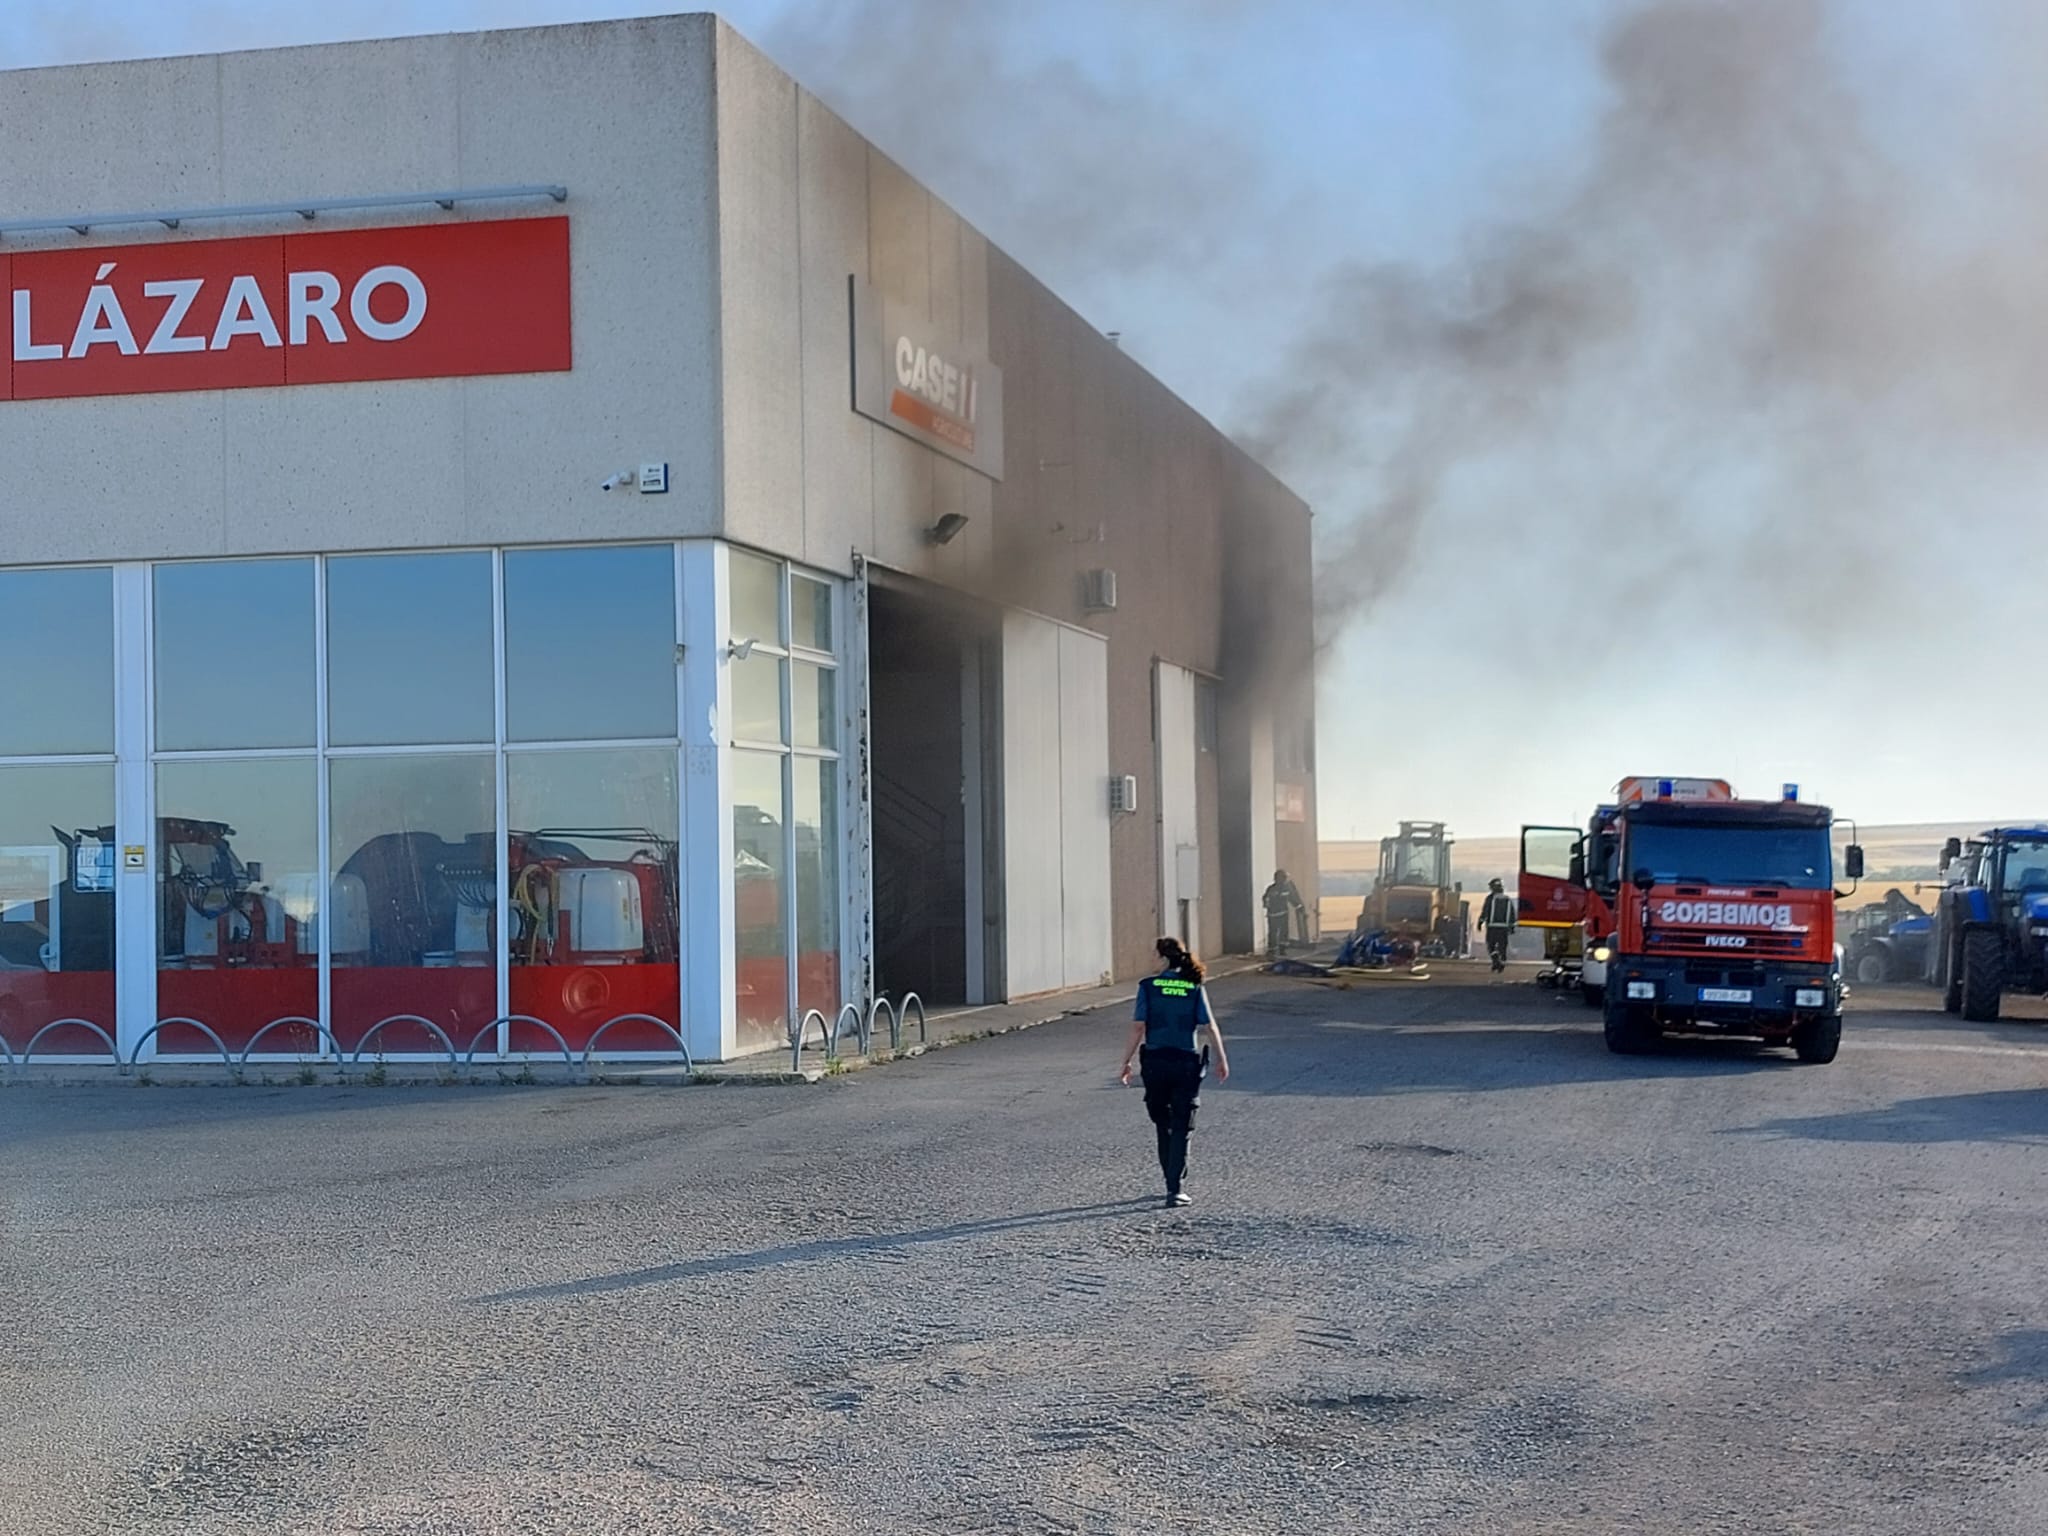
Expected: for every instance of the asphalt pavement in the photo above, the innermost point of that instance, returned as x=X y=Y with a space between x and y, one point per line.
x=1452 y=1268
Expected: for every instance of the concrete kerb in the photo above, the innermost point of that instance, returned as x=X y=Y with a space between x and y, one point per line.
x=1064 y=1006
x=762 y=1071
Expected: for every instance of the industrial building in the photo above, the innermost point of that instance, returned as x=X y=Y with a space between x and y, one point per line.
x=511 y=536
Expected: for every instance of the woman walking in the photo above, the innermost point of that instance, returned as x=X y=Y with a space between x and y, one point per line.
x=1173 y=1008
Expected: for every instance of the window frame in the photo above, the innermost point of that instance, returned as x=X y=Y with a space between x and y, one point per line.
x=326 y=753
x=789 y=654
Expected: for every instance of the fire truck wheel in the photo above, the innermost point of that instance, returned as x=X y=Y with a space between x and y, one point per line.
x=1817 y=1040
x=1983 y=974
x=1628 y=1034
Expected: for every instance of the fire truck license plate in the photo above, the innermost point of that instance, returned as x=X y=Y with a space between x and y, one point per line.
x=1724 y=994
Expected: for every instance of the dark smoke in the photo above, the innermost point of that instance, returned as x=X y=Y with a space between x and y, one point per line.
x=1104 y=168
x=1719 y=365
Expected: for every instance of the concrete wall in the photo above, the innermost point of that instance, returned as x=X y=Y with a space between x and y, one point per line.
x=1104 y=467
x=623 y=114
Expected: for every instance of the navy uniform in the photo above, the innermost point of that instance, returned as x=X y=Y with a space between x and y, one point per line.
x=1173 y=1010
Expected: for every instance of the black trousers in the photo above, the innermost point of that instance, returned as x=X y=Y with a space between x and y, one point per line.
x=1497 y=946
x=1173 y=1092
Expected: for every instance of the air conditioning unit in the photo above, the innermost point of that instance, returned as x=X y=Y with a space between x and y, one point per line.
x=1098 y=591
x=1123 y=794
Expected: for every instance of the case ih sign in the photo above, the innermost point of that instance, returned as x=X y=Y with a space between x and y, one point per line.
x=420 y=302
x=929 y=386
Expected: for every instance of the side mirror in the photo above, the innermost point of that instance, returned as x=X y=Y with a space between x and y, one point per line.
x=1578 y=869
x=1643 y=880
x=1853 y=864
x=254 y=870
x=1950 y=852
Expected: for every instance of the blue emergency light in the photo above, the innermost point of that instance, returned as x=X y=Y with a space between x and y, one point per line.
x=1791 y=791
x=1665 y=789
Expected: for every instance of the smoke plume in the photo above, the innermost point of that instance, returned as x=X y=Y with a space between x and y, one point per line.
x=1093 y=166
x=1722 y=369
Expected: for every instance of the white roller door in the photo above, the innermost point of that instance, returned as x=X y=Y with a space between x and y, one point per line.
x=1032 y=852
x=1055 y=806
x=1180 y=828
x=1084 y=807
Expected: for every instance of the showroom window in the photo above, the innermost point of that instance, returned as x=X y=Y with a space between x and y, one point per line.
x=409 y=650
x=412 y=731
x=595 y=867
x=403 y=804
x=786 y=788
x=236 y=904
x=409 y=796
x=58 y=845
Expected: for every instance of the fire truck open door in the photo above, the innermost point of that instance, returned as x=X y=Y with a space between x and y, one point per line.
x=1552 y=890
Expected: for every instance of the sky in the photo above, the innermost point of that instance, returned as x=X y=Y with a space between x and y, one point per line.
x=1669 y=377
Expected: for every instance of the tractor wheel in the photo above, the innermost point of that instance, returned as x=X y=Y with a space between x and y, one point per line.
x=1626 y=1032
x=1983 y=974
x=1817 y=1040
x=1873 y=966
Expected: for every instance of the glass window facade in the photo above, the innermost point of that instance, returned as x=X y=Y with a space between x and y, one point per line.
x=415 y=849
x=755 y=587
x=409 y=650
x=238 y=903
x=56 y=662
x=57 y=860
x=59 y=845
x=760 y=866
x=407 y=804
x=596 y=874
x=590 y=644
x=785 y=795
x=234 y=655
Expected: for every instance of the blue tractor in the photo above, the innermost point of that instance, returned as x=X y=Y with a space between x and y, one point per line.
x=1886 y=941
x=1991 y=923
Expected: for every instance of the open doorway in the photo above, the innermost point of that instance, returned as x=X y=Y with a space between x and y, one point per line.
x=934 y=726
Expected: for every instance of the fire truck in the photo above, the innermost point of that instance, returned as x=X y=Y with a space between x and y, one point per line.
x=1700 y=913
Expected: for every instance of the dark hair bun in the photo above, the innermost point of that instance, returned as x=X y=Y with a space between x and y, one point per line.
x=1180 y=957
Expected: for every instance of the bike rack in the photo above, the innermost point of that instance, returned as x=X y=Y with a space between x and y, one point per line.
x=377 y=1028
x=796 y=1038
x=590 y=1049
x=35 y=1039
x=568 y=1056
x=333 y=1045
x=860 y=1030
x=895 y=1022
x=159 y=1027
x=897 y=1013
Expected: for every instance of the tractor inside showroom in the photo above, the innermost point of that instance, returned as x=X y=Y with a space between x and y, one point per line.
x=1991 y=923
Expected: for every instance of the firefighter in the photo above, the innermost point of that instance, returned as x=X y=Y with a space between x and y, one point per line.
x=1283 y=902
x=1173 y=1009
x=1497 y=917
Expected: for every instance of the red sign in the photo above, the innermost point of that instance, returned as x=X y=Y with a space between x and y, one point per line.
x=424 y=302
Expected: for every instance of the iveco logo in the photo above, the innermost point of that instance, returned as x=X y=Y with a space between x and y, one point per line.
x=1727 y=941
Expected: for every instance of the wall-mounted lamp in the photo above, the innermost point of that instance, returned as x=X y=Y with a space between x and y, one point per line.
x=946 y=529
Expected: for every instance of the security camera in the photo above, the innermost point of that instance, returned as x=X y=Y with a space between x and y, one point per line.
x=612 y=483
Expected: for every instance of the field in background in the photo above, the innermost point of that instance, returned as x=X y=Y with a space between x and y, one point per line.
x=1904 y=857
